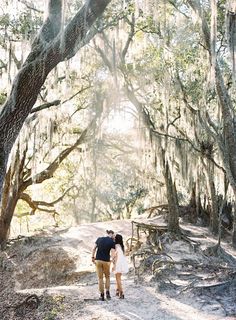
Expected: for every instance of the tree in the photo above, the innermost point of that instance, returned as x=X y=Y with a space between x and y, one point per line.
x=154 y=87
x=144 y=62
x=225 y=138
x=50 y=47
x=18 y=179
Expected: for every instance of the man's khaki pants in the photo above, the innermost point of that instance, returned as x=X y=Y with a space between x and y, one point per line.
x=103 y=268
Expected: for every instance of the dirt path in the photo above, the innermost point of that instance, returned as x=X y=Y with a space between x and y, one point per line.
x=78 y=299
x=142 y=302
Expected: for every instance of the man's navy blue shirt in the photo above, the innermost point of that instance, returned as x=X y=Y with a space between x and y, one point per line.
x=104 y=246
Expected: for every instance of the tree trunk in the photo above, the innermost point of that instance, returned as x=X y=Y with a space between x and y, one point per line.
x=227 y=141
x=173 y=216
x=128 y=211
x=10 y=197
x=234 y=226
x=94 y=199
x=3 y=167
x=11 y=192
x=6 y=216
x=234 y=233
x=214 y=218
x=193 y=205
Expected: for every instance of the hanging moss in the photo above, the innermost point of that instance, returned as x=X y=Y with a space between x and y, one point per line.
x=231 y=36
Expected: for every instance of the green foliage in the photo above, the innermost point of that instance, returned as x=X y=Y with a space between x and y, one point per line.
x=23 y=25
x=55 y=306
x=148 y=25
x=3 y=97
x=122 y=195
x=4 y=21
x=22 y=208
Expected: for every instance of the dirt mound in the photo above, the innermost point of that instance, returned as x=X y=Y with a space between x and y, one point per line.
x=58 y=257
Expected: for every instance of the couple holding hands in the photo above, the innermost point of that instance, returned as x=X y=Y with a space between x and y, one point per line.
x=110 y=248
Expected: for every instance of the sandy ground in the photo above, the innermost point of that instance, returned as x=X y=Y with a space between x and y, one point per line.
x=143 y=300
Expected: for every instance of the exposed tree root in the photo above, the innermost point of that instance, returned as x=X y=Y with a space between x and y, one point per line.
x=31 y=301
x=217 y=286
x=210 y=266
x=218 y=252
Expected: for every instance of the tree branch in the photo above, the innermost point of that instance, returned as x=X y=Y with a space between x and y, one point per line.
x=104 y=57
x=188 y=106
x=130 y=37
x=12 y=54
x=49 y=171
x=46 y=106
x=52 y=25
x=3 y=65
x=39 y=63
x=78 y=92
x=37 y=205
x=30 y=7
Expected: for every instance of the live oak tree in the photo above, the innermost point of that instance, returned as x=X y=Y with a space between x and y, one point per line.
x=165 y=77
x=164 y=82
x=225 y=136
x=19 y=178
x=51 y=46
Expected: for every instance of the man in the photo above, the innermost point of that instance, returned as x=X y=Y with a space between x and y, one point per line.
x=103 y=246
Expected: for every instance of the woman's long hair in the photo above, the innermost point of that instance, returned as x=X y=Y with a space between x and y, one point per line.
x=119 y=240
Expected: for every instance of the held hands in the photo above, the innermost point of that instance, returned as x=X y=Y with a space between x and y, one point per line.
x=93 y=259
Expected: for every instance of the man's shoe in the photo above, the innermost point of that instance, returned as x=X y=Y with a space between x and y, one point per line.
x=108 y=295
x=102 y=297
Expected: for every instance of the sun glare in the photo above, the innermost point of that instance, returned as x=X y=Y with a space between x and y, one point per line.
x=119 y=121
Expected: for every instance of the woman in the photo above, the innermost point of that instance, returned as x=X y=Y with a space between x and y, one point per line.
x=120 y=264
